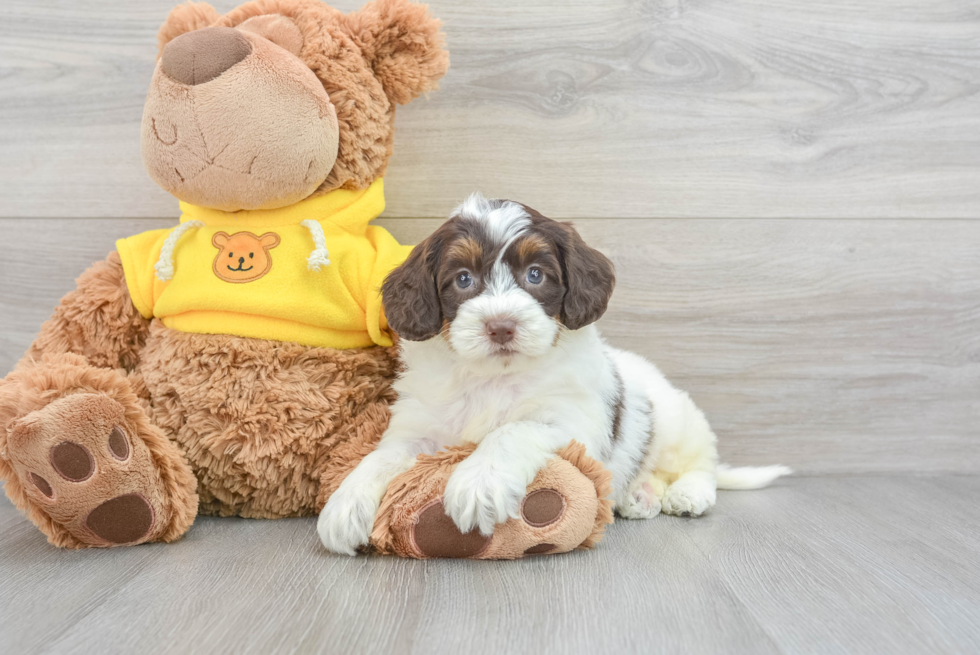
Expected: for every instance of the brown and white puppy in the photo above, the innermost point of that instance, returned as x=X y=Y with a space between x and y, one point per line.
x=496 y=311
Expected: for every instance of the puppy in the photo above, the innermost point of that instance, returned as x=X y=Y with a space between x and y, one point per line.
x=496 y=313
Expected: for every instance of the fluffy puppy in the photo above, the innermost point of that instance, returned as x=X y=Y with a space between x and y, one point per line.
x=496 y=312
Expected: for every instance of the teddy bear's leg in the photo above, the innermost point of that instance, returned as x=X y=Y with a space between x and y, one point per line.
x=77 y=451
x=82 y=460
x=566 y=507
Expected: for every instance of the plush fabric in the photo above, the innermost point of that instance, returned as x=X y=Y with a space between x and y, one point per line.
x=206 y=146
x=61 y=398
x=259 y=420
x=269 y=290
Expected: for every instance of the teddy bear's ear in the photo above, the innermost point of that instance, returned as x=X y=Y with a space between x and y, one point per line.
x=279 y=29
x=404 y=45
x=220 y=239
x=184 y=18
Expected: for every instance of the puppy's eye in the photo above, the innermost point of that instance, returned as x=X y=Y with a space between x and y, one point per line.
x=534 y=275
x=464 y=280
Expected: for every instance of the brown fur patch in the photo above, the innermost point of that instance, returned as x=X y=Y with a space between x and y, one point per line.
x=97 y=320
x=466 y=250
x=261 y=421
x=531 y=246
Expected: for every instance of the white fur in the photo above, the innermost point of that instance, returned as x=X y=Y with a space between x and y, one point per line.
x=523 y=407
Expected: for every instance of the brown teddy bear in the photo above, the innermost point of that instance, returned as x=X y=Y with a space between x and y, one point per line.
x=240 y=363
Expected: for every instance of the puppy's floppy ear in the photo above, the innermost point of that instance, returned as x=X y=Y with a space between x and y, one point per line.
x=590 y=278
x=185 y=18
x=589 y=275
x=410 y=296
x=404 y=45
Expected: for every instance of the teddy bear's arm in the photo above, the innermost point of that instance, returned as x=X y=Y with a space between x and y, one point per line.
x=97 y=320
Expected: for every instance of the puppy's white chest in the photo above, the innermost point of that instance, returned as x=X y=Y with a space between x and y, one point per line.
x=480 y=407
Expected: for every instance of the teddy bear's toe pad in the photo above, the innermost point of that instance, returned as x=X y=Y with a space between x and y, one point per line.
x=542 y=507
x=121 y=520
x=435 y=535
x=81 y=464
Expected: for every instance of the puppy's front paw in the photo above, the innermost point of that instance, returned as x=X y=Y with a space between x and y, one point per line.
x=478 y=497
x=346 y=522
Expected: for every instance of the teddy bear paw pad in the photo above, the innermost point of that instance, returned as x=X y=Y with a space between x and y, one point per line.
x=435 y=535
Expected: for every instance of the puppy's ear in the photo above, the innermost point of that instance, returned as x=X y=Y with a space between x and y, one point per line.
x=590 y=279
x=589 y=275
x=185 y=18
x=404 y=45
x=410 y=296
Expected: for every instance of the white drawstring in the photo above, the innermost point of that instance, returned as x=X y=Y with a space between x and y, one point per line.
x=165 y=265
x=319 y=257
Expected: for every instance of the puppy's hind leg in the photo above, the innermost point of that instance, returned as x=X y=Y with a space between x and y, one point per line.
x=641 y=500
x=686 y=456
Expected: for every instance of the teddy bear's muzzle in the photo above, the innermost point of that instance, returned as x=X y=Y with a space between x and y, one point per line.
x=233 y=121
x=202 y=55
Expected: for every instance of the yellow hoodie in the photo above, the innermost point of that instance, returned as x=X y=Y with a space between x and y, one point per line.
x=309 y=273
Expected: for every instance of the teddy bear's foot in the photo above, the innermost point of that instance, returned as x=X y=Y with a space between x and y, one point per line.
x=88 y=472
x=566 y=507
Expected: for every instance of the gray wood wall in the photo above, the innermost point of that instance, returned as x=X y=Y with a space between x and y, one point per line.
x=790 y=191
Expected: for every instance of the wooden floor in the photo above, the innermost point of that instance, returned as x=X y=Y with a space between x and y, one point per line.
x=825 y=564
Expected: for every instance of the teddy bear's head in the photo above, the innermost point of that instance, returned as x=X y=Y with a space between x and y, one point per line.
x=280 y=100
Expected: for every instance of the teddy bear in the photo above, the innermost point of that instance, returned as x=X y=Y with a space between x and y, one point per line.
x=240 y=363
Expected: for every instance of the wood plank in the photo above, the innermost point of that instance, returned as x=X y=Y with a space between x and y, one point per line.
x=811 y=565
x=830 y=346
x=843 y=549
x=718 y=108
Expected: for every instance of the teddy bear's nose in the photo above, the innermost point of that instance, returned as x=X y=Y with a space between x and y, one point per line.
x=202 y=55
x=241 y=260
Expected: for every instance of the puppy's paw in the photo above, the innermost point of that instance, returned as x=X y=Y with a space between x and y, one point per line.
x=689 y=496
x=641 y=503
x=476 y=496
x=346 y=521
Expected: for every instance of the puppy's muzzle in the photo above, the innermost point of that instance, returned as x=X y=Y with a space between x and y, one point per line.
x=501 y=330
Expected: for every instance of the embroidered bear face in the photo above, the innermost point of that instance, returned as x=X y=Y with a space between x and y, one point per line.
x=243 y=257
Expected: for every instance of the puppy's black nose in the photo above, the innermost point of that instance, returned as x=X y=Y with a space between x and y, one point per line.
x=501 y=330
x=201 y=55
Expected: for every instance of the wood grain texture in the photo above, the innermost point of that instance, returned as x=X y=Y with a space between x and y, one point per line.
x=634 y=108
x=855 y=565
x=830 y=346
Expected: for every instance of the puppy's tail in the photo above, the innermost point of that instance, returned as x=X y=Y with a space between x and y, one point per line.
x=748 y=477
